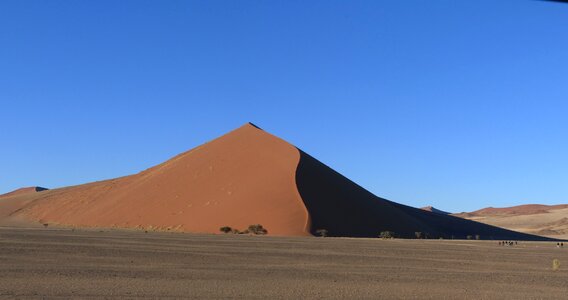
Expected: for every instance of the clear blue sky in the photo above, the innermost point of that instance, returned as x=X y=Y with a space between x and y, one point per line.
x=456 y=104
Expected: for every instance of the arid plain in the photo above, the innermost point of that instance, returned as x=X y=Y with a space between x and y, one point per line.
x=45 y=262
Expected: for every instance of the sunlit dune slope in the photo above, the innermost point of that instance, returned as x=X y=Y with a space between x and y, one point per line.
x=244 y=177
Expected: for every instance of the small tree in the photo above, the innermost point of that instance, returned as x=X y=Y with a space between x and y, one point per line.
x=322 y=232
x=418 y=234
x=386 y=234
x=226 y=229
x=257 y=229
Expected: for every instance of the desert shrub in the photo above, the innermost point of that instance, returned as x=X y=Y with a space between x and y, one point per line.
x=257 y=229
x=477 y=237
x=322 y=232
x=418 y=234
x=469 y=237
x=45 y=225
x=555 y=264
x=226 y=229
x=386 y=234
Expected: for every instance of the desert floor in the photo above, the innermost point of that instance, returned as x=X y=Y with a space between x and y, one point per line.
x=40 y=263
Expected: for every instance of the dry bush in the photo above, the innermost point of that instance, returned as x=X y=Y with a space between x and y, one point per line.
x=386 y=234
x=226 y=229
x=256 y=229
x=322 y=232
x=555 y=264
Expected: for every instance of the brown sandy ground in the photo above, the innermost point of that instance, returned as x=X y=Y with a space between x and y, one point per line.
x=47 y=263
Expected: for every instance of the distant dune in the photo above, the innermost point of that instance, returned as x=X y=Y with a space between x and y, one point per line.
x=434 y=210
x=245 y=177
x=546 y=220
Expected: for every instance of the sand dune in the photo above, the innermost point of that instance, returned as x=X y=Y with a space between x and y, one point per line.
x=434 y=210
x=242 y=178
x=546 y=220
x=247 y=176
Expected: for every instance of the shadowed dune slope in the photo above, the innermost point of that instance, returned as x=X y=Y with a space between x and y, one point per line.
x=244 y=177
x=345 y=209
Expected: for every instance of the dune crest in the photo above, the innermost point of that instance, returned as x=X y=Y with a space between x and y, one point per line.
x=24 y=190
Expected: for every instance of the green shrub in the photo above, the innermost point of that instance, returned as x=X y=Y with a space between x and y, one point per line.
x=386 y=234
x=322 y=232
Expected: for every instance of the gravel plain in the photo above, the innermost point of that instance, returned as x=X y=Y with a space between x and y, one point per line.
x=60 y=263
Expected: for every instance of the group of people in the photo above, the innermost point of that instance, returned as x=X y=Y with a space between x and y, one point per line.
x=507 y=243
x=512 y=243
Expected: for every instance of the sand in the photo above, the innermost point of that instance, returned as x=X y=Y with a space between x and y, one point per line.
x=45 y=263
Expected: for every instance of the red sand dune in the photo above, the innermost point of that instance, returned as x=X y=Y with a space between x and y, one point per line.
x=244 y=177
